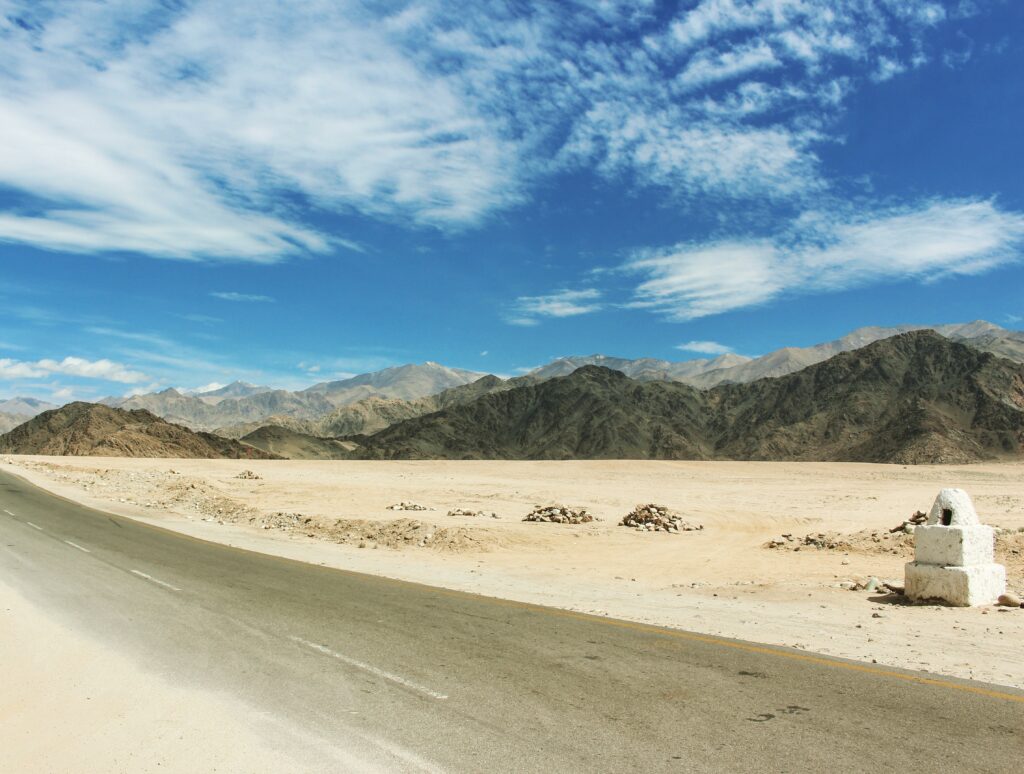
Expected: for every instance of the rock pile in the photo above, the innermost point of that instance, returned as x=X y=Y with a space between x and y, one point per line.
x=559 y=514
x=404 y=506
x=467 y=512
x=248 y=474
x=657 y=518
x=865 y=541
x=908 y=526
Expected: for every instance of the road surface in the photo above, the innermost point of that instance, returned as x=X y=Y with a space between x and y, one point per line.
x=424 y=679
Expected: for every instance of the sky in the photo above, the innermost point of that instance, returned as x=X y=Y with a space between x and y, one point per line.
x=193 y=192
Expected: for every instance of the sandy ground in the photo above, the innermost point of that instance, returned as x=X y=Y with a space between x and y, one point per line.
x=721 y=580
x=71 y=704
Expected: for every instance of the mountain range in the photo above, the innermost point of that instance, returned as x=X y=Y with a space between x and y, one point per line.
x=240 y=403
x=372 y=414
x=912 y=398
x=916 y=397
x=368 y=403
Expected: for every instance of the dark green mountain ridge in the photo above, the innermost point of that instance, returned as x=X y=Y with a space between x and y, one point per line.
x=913 y=398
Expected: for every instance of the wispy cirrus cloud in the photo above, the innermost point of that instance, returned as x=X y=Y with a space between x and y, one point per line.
x=173 y=129
x=230 y=295
x=827 y=251
x=530 y=310
x=705 y=347
x=189 y=130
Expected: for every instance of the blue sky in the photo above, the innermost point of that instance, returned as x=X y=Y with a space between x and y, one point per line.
x=192 y=192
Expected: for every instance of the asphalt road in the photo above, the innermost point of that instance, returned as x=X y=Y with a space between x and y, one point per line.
x=419 y=678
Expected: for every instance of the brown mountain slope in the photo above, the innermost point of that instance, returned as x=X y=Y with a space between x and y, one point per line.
x=287 y=443
x=92 y=429
x=372 y=414
x=917 y=397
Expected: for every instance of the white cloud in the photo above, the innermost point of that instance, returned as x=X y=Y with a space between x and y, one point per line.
x=170 y=130
x=142 y=390
x=70 y=366
x=230 y=295
x=529 y=310
x=708 y=68
x=93 y=369
x=705 y=347
x=828 y=252
x=887 y=69
x=186 y=130
x=206 y=387
x=16 y=369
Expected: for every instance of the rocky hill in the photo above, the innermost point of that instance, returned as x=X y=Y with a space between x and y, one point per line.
x=283 y=442
x=372 y=414
x=913 y=398
x=642 y=369
x=236 y=407
x=237 y=389
x=406 y=382
x=92 y=429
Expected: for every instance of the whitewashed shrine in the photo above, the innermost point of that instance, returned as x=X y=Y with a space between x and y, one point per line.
x=953 y=555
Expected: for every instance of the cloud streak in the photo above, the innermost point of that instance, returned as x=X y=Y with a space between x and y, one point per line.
x=230 y=295
x=825 y=252
x=528 y=311
x=190 y=130
x=70 y=366
x=705 y=347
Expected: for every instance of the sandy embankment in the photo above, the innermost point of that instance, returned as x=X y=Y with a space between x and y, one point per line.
x=71 y=704
x=721 y=580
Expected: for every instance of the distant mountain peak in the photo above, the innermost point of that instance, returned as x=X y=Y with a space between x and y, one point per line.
x=93 y=429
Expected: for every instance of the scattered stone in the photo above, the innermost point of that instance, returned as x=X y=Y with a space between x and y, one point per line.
x=248 y=474
x=559 y=514
x=872 y=584
x=908 y=526
x=1009 y=599
x=467 y=512
x=657 y=518
x=864 y=541
x=404 y=506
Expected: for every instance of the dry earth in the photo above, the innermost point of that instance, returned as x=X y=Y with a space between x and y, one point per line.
x=72 y=704
x=720 y=580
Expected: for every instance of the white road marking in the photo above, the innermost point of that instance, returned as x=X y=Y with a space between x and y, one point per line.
x=370 y=668
x=75 y=545
x=34 y=525
x=8 y=512
x=155 y=580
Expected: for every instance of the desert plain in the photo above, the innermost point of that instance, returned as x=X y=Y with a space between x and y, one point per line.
x=722 y=580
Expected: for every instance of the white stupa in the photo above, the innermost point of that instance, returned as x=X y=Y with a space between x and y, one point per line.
x=953 y=555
